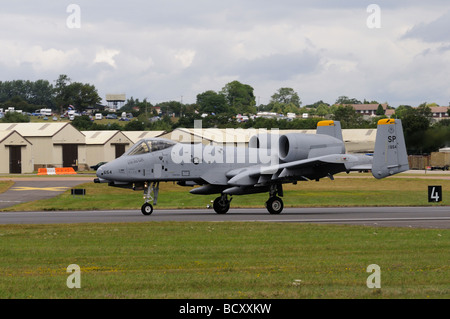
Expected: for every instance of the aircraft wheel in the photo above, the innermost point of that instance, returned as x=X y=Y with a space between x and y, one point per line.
x=147 y=209
x=221 y=206
x=275 y=205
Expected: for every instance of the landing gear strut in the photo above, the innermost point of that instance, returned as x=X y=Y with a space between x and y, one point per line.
x=147 y=208
x=275 y=204
x=221 y=204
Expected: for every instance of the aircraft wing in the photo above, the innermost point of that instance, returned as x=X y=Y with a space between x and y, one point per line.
x=307 y=169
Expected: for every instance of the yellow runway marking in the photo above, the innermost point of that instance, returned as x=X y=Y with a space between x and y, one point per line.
x=48 y=189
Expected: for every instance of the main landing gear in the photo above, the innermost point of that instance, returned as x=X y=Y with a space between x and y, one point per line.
x=221 y=204
x=147 y=208
x=275 y=204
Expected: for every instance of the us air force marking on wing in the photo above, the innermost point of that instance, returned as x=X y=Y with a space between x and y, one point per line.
x=234 y=308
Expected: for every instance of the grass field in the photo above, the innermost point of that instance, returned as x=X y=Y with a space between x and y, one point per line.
x=229 y=260
x=340 y=192
x=222 y=260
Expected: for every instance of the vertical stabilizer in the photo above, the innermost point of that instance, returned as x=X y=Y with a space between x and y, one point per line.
x=390 y=156
x=331 y=128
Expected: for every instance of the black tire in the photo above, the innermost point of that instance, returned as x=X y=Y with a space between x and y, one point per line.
x=147 y=209
x=220 y=206
x=275 y=205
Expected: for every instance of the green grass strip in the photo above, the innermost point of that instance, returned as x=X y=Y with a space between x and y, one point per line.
x=222 y=260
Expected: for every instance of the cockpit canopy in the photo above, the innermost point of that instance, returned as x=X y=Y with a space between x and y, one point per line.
x=149 y=145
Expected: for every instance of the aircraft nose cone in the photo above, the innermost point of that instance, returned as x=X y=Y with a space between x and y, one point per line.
x=99 y=172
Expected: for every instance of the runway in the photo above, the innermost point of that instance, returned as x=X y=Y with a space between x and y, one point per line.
x=421 y=217
x=27 y=189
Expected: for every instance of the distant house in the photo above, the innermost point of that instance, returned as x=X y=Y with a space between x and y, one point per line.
x=440 y=112
x=389 y=112
x=368 y=110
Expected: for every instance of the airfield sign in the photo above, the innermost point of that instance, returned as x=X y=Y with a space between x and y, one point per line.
x=434 y=194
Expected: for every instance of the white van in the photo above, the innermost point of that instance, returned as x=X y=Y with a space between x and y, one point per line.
x=98 y=116
x=45 y=112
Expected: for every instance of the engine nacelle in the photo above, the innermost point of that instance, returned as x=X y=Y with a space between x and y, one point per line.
x=264 y=141
x=297 y=146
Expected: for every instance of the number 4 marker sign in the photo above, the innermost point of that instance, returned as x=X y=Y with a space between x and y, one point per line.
x=434 y=194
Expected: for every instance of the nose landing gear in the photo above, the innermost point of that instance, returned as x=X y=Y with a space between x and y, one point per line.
x=147 y=208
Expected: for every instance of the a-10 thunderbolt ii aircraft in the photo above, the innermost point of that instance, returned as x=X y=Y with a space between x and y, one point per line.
x=269 y=161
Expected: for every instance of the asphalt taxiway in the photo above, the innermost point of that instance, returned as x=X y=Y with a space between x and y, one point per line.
x=421 y=217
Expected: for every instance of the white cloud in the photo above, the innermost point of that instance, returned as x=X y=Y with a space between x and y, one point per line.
x=185 y=57
x=106 y=56
x=40 y=59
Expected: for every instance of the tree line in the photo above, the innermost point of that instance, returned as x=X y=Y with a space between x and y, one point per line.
x=28 y=95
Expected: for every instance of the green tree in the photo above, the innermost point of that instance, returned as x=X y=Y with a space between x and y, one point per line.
x=83 y=95
x=212 y=102
x=286 y=96
x=39 y=93
x=82 y=123
x=380 y=111
x=345 y=100
x=171 y=107
x=42 y=93
x=14 y=117
x=135 y=125
x=323 y=110
x=61 y=92
x=240 y=97
x=187 y=121
x=416 y=122
x=145 y=107
x=347 y=116
x=401 y=110
x=19 y=103
x=77 y=94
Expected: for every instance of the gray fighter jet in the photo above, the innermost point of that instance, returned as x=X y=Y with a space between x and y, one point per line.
x=269 y=161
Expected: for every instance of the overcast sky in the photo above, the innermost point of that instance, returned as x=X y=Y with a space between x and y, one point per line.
x=175 y=49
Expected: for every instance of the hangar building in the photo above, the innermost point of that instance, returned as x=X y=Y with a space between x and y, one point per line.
x=104 y=146
x=52 y=144
x=15 y=153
